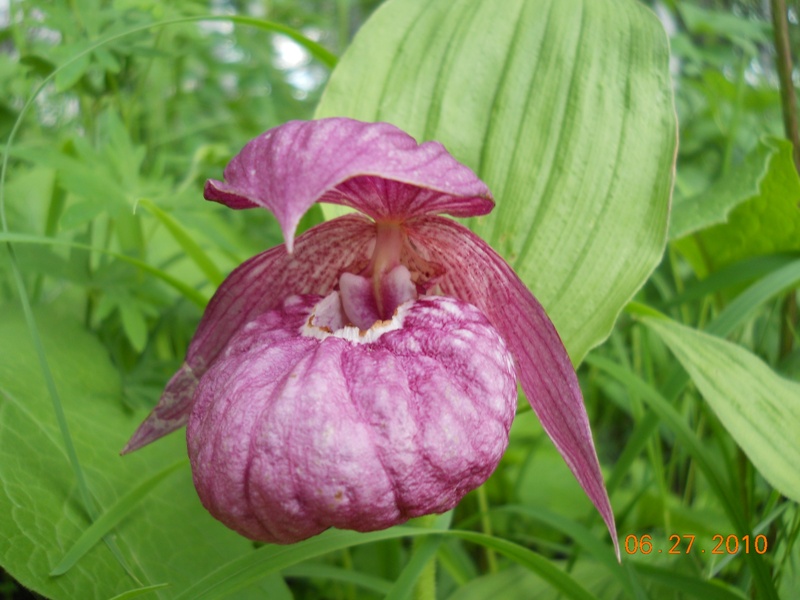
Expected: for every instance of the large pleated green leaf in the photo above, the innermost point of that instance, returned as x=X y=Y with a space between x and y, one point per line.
x=760 y=409
x=145 y=502
x=565 y=109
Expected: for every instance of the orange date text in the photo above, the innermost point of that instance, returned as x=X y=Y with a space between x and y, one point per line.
x=684 y=544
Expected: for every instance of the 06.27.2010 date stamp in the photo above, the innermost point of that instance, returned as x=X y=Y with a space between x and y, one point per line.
x=684 y=544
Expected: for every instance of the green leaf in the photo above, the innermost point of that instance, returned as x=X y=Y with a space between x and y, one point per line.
x=687 y=584
x=240 y=572
x=140 y=591
x=412 y=575
x=689 y=442
x=743 y=31
x=166 y=538
x=733 y=276
x=318 y=570
x=516 y=583
x=187 y=242
x=416 y=573
x=601 y=553
x=134 y=324
x=90 y=180
x=80 y=213
x=564 y=108
x=190 y=293
x=103 y=525
x=760 y=409
x=749 y=301
x=71 y=71
x=743 y=183
x=38 y=65
x=751 y=212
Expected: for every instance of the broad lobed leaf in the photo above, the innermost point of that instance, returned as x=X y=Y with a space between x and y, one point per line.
x=750 y=211
x=563 y=107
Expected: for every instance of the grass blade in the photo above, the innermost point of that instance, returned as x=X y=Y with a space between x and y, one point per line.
x=244 y=571
x=314 y=570
x=109 y=519
x=140 y=591
x=602 y=553
x=688 y=584
x=185 y=240
x=757 y=407
x=419 y=566
x=423 y=554
x=753 y=297
x=689 y=441
x=728 y=277
x=188 y=292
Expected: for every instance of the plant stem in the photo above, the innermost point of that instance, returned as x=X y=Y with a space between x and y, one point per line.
x=789 y=109
x=486 y=525
x=426 y=583
x=784 y=66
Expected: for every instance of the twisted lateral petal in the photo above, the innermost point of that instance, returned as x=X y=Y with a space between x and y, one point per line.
x=256 y=286
x=373 y=167
x=475 y=273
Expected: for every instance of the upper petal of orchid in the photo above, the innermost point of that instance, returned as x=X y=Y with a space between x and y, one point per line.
x=257 y=286
x=475 y=273
x=375 y=168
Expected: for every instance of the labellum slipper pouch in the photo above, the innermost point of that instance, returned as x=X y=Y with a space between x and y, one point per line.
x=366 y=372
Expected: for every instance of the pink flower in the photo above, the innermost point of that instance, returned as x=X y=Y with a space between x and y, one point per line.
x=366 y=373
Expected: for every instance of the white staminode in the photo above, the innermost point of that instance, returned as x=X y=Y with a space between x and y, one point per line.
x=326 y=321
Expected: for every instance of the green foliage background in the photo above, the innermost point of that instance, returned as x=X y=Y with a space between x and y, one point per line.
x=683 y=333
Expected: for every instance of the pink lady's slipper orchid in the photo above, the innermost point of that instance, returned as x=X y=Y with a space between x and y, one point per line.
x=367 y=372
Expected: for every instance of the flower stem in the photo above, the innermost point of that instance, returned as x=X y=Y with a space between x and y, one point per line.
x=789 y=109
x=486 y=525
x=784 y=66
x=426 y=584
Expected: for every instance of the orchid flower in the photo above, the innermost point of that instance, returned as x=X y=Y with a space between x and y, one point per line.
x=365 y=373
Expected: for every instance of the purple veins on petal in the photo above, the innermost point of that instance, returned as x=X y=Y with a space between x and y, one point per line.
x=543 y=366
x=258 y=285
x=373 y=167
x=364 y=373
x=291 y=435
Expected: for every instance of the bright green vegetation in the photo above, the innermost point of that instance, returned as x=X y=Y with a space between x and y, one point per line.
x=681 y=318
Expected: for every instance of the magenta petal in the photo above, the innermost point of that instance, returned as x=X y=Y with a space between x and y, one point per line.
x=292 y=435
x=373 y=167
x=397 y=288
x=256 y=286
x=171 y=412
x=477 y=274
x=358 y=300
